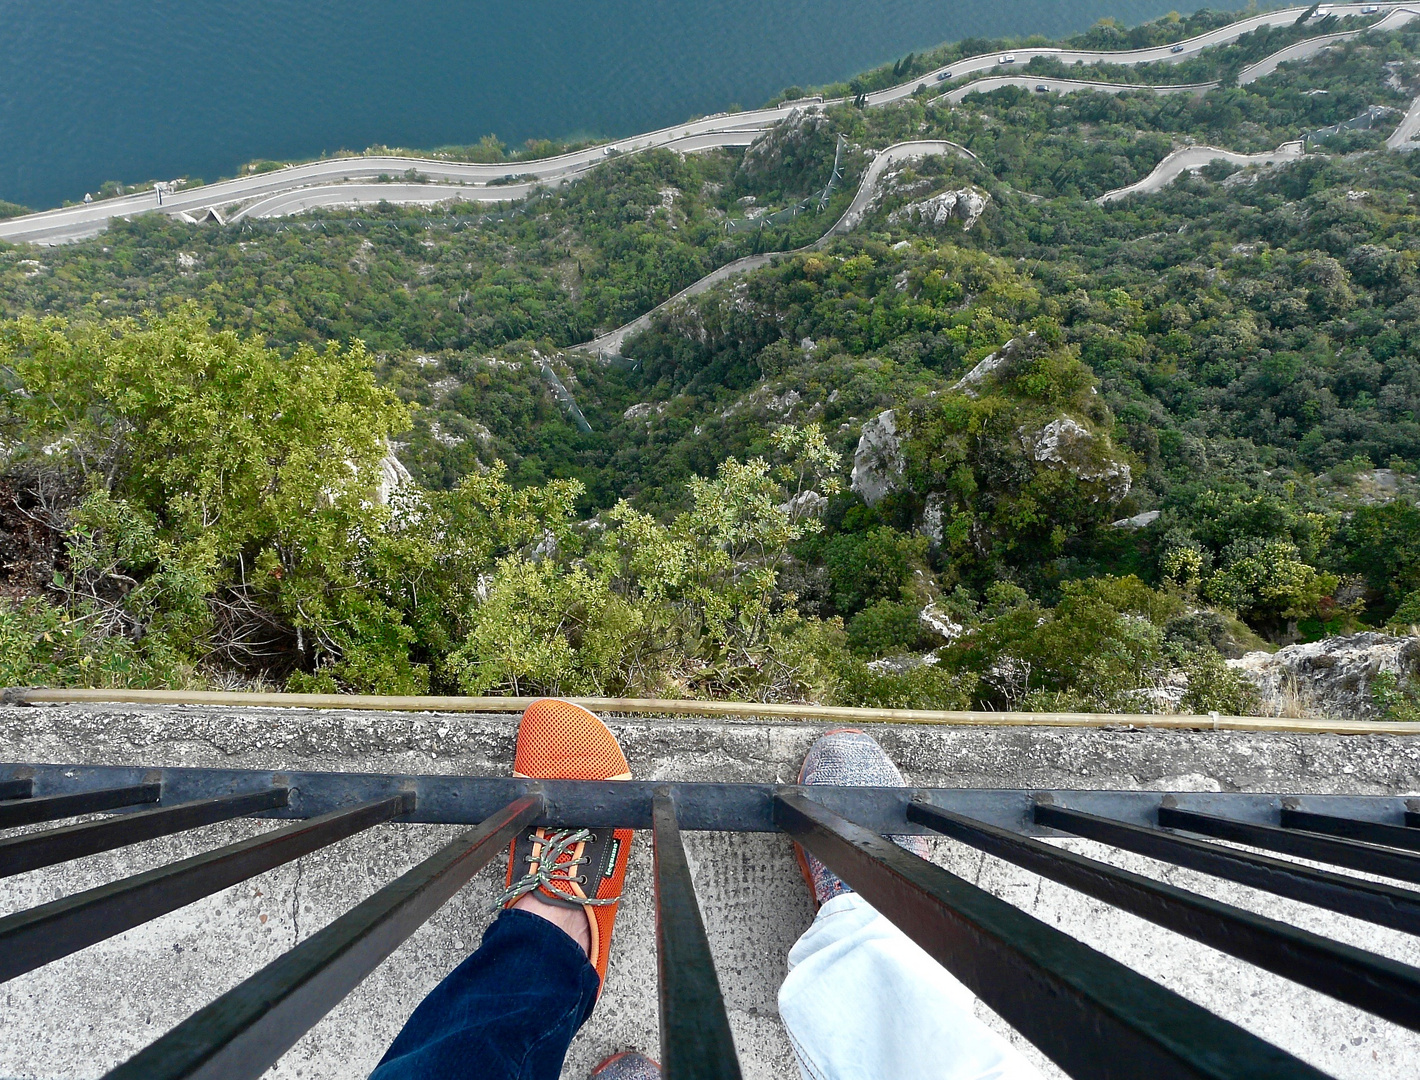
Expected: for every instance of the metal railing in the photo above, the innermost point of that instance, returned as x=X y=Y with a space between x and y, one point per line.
x=1093 y=1016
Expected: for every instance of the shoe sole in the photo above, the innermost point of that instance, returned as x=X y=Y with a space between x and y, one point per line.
x=617 y=1057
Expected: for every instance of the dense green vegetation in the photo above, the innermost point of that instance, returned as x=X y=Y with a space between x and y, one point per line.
x=196 y=417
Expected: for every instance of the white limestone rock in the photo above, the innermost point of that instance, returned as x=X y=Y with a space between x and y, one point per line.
x=936 y=621
x=1164 y=694
x=969 y=382
x=393 y=476
x=934 y=517
x=964 y=204
x=1138 y=521
x=805 y=504
x=901 y=665
x=1331 y=677
x=878 y=464
x=1067 y=443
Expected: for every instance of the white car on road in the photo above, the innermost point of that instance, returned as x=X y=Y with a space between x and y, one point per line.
x=1006 y=58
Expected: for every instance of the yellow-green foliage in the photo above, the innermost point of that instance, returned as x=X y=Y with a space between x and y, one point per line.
x=1263 y=579
x=226 y=441
x=209 y=469
x=691 y=604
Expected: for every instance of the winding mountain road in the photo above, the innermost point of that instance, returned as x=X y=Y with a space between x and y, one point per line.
x=1068 y=86
x=1193 y=158
x=281 y=191
x=1186 y=159
x=1223 y=35
x=1394 y=19
x=609 y=344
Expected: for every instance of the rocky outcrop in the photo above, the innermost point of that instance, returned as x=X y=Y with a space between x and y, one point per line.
x=877 y=463
x=787 y=138
x=1067 y=443
x=901 y=665
x=969 y=382
x=805 y=504
x=393 y=476
x=936 y=621
x=1373 y=487
x=965 y=205
x=1138 y=521
x=934 y=517
x=1332 y=677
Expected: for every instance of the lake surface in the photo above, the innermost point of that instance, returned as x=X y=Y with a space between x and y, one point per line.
x=159 y=89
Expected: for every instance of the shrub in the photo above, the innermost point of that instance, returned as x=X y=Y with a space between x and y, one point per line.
x=922 y=687
x=545 y=630
x=871 y=567
x=887 y=626
x=228 y=488
x=1267 y=580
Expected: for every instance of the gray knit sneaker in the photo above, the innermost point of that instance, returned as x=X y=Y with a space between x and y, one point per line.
x=850 y=758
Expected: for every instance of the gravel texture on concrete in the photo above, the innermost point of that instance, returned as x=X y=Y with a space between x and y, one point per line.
x=81 y=1015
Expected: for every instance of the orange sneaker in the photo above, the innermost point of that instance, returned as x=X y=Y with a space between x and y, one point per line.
x=583 y=868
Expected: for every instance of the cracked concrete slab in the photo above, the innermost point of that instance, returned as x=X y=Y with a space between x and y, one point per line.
x=83 y=1014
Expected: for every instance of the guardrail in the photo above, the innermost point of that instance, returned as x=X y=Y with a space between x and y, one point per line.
x=1092 y=1015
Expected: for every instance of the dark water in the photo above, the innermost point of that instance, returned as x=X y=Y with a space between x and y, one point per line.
x=156 y=89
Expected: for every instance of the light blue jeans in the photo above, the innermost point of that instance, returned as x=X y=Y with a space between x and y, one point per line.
x=863 y=1002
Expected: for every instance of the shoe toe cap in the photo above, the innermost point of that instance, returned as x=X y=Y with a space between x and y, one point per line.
x=849 y=758
x=559 y=740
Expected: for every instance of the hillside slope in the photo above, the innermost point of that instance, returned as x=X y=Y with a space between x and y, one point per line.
x=998 y=443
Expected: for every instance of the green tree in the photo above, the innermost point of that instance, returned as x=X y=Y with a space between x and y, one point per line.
x=1267 y=580
x=871 y=567
x=229 y=487
x=1382 y=544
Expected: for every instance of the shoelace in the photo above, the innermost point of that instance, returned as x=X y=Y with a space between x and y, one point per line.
x=557 y=843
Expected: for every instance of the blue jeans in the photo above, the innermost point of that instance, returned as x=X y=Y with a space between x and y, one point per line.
x=508 y=1012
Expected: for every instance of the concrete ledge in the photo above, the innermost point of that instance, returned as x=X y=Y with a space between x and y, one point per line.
x=81 y=1015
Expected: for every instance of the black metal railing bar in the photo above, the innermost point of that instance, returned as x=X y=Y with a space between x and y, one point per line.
x=468 y=800
x=31 y=810
x=1378 y=984
x=244 y=1032
x=19 y=854
x=1368 y=832
x=1368 y=858
x=39 y=935
x=1093 y=1016
x=696 y=1043
x=1373 y=901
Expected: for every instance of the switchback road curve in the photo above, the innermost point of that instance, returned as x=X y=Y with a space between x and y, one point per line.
x=609 y=344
